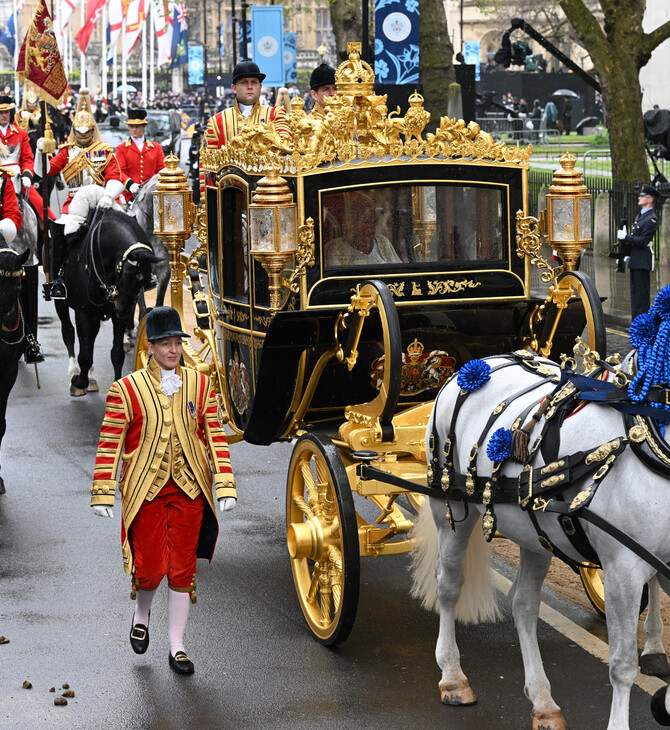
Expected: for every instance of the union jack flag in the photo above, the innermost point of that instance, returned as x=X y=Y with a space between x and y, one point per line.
x=180 y=11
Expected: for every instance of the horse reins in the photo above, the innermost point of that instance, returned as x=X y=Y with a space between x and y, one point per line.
x=111 y=292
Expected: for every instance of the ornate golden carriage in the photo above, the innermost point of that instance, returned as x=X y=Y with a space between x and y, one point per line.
x=341 y=277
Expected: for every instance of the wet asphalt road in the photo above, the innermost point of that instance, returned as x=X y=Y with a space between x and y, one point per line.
x=64 y=605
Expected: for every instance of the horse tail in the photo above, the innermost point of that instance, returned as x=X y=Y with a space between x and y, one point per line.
x=477 y=602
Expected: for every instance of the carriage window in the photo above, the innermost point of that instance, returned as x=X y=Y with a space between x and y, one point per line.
x=413 y=224
x=234 y=244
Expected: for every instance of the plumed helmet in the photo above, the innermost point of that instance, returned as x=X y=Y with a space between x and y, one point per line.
x=322 y=75
x=163 y=322
x=83 y=119
x=247 y=69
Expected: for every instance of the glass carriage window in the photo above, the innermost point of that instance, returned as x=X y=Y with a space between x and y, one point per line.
x=431 y=223
x=234 y=244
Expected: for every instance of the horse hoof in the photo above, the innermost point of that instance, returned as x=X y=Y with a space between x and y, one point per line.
x=457 y=693
x=76 y=392
x=654 y=664
x=548 y=720
x=658 y=711
x=92 y=386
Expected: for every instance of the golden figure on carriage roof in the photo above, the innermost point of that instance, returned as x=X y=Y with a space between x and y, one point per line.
x=341 y=276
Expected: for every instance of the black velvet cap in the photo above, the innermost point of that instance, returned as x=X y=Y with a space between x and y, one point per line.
x=322 y=75
x=163 y=322
x=247 y=69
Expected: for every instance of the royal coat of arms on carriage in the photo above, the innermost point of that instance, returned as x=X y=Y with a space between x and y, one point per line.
x=238 y=379
x=420 y=371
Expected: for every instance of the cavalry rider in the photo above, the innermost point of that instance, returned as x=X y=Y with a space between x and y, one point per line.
x=29 y=117
x=176 y=464
x=139 y=159
x=16 y=155
x=85 y=159
x=322 y=85
x=246 y=111
x=10 y=213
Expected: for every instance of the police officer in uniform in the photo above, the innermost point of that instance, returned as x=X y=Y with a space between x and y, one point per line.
x=322 y=84
x=637 y=249
x=165 y=418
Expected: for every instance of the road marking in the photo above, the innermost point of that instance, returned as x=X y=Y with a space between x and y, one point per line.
x=580 y=636
x=615 y=331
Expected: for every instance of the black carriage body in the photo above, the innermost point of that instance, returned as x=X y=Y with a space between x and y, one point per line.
x=459 y=287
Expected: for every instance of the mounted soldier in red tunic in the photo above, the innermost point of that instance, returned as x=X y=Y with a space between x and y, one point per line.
x=85 y=160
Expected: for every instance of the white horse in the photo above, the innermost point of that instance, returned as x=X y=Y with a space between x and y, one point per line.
x=630 y=496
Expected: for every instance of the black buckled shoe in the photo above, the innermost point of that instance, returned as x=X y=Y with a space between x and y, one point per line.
x=180 y=663
x=139 y=638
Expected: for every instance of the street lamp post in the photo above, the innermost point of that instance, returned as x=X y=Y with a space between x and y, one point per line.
x=245 y=40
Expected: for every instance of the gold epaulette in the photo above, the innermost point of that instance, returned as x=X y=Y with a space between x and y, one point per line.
x=5 y=171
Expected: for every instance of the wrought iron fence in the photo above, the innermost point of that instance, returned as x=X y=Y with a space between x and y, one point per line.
x=518 y=130
x=622 y=200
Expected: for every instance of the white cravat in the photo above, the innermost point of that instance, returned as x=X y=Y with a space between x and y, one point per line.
x=245 y=109
x=4 y=130
x=139 y=143
x=170 y=382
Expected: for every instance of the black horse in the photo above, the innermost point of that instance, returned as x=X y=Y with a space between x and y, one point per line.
x=104 y=273
x=13 y=332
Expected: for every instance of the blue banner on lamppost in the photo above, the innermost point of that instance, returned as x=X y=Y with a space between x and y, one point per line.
x=471 y=56
x=267 y=43
x=195 y=66
x=290 y=58
x=397 y=41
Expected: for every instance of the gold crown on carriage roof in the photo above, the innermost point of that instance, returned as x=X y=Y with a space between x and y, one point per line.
x=357 y=125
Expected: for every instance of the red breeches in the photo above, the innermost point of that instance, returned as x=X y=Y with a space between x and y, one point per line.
x=164 y=538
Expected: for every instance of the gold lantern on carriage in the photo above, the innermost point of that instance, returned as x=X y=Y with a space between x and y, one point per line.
x=174 y=216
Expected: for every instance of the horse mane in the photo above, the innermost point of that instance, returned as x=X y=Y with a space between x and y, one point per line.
x=9 y=258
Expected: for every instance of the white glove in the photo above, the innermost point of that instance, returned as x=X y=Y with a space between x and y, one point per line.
x=7 y=230
x=40 y=144
x=621 y=233
x=226 y=503
x=133 y=188
x=105 y=202
x=626 y=259
x=100 y=510
x=113 y=189
x=26 y=182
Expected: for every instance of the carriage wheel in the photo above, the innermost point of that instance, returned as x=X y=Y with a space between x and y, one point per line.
x=141 y=357
x=322 y=538
x=592 y=580
x=585 y=289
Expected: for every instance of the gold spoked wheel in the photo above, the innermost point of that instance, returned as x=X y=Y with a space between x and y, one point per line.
x=141 y=357
x=322 y=538
x=592 y=580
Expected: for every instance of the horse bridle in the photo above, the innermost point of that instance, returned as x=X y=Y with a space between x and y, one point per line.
x=7 y=272
x=112 y=292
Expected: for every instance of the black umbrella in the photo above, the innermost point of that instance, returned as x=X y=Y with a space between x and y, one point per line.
x=587 y=122
x=566 y=92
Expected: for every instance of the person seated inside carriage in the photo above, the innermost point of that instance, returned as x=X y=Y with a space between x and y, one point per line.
x=350 y=232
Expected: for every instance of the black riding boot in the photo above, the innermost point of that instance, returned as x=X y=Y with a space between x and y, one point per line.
x=56 y=288
x=29 y=287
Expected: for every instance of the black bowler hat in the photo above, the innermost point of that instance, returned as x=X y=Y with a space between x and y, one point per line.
x=649 y=190
x=245 y=70
x=322 y=75
x=163 y=322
